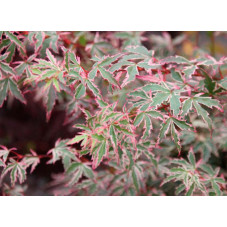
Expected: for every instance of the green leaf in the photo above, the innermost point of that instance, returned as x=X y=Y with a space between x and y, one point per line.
x=148 y=127
x=191 y=158
x=139 y=50
x=56 y=84
x=209 y=84
x=139 y=93
x=125 y=131
x=196 y=101
x=6 y=68
x=98 y=137
x=3 y=90
x=4 y=152
x=207 y=169
x=154 y=114
x=187 y=105
x=76 y=176
x=92 y=73
x=155 y=87
x=216 y=188
x=176 y=59
x=159 y=98
x=21 y=68
x=109 y=60
x=101 y=103
x=2 y=164
x=84 y=127
x=15 y=91
x=138 y=119
x=219 y=180
x=176 y=76
x=94 y=89
x=73 y=59
x=207 y=101
x=175 y=104
x=113 y=136
x=77 y=139
x=51 y=57
x=191 y=189
x=32 y=161
x=80 y=91
x=175 y=137
x=175 y=170
x=4 y=44
x=118 y=65
x=73 y=167
x=11 y=51
x=132 y=71
x=223 y=83
x=87 y=171
x=131 y=161
x=17 y=171
x=48 y=74
x=14 y=39
x=181 y=124
x=50 y=100
x=1 y=32
x=180 y=188
x=189 y=71
x=101 y=153
x=108 y=76
x=136 y=178
x=165 y=128
x=202 y=112
x=169 y=178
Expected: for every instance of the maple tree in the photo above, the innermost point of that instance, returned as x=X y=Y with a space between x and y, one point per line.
x=142 y=118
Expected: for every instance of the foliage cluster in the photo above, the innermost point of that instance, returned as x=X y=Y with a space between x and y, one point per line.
x=148 y=122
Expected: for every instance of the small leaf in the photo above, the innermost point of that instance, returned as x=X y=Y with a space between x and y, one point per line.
x=76 y=176
x=94 y=89
x=216 y=188
x=139 y=93
x=136 y=178
x=6 y=68
x=138 y=119
x=51 y=57
x=101 y=103
x=176 y=76
x=181 y=124
x=50 y=100
x=132 y=71
x=159 y=99
x=176 y=59
x=191 y=189
x=92 y=73
x=3 y=90
x=125 y=131
x=77 y=139
x=101 y=153
x=209 y=84
x=15 y=91
x=175 y=104
x=73 y=167
x=191 y=158
x=113 y=136
x=80 y=91
x=108 y=76
x=164 y=129
x=187 y=105
x=14 y=39
x=87 y=171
